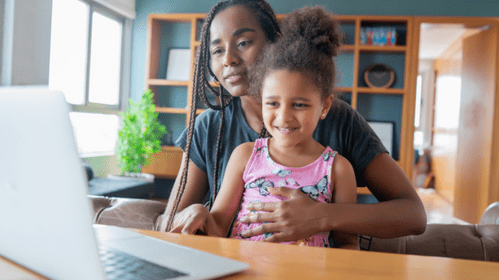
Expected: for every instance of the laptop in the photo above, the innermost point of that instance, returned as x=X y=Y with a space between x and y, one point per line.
x=46 y=218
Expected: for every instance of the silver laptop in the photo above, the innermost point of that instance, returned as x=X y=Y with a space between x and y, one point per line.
x=46 y=217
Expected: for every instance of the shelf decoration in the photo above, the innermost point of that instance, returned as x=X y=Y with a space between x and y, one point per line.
x=379 y=76
x=179 y=65
x=378 y=36
x=385 y=132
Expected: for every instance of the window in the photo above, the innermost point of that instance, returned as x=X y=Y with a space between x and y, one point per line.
x=418 y=133
x=86 y=63
x=448 y=102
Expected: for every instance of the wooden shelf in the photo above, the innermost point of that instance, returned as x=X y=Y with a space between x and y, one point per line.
x=169 y=110
x=343 y=89
x=176 y=17
x=347 y=48
x=363 y=190
x=380 y=90
x=366 y=48
x=163 y=82
x=165 y=164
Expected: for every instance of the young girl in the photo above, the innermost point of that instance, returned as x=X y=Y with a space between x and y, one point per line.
x=233 y=36
x=295 y=78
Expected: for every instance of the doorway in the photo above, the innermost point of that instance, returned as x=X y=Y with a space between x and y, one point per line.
x=443 y=46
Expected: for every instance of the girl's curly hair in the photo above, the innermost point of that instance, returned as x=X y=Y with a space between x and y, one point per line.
x=311 y=39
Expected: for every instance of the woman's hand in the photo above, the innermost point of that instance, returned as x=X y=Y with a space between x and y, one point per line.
x=195 y=218
x=290 y=220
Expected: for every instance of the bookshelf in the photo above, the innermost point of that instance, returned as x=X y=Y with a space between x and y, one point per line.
x=173 y=98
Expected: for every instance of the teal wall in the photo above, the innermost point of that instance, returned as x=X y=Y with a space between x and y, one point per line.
x=482 y=8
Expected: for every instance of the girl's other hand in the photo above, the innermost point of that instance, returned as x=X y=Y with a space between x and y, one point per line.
x=196 y=218
x=290 y=220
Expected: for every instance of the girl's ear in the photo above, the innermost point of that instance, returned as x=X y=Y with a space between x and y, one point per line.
x=326 y=105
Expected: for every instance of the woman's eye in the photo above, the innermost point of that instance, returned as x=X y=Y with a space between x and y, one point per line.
x=216 y=51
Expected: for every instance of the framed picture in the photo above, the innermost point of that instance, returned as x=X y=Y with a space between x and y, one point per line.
x=385 y=132
x=179 y=65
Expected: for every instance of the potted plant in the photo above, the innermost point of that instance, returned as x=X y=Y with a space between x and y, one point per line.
x=139 y=136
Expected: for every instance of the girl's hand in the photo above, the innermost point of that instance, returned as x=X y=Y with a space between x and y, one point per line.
x=290 y=220
x=195 y=218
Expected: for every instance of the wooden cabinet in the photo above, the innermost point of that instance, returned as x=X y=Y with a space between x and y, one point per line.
x=182 y=31
x=386 y=105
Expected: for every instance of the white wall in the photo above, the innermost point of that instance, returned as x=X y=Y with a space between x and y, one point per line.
x=2 y=12
x=427 y=68
x=26 y=42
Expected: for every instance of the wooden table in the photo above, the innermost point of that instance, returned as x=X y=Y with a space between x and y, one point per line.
x=278 y=261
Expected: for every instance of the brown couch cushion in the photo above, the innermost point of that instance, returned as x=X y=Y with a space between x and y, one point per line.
x=474 y=242
x=127 y=212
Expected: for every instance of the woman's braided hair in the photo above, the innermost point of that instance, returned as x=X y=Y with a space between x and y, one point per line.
x=268 y=22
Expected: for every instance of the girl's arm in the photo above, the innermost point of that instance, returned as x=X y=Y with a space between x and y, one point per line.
x=344 y=192
x=231 y=191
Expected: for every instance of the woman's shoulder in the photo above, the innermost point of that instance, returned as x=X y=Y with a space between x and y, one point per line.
x=212 y=117
x=340 y=107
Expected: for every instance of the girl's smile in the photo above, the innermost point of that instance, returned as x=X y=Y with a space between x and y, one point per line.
x=285 y=130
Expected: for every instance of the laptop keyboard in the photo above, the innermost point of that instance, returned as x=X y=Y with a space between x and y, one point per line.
x=120 y=265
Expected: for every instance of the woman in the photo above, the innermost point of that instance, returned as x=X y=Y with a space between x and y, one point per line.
x=233 y=37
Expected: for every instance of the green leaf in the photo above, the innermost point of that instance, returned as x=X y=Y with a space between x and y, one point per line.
x=140 y=134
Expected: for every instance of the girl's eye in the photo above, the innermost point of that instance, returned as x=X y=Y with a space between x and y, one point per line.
x=272 y=104
x=300 y=105
x=244 y=43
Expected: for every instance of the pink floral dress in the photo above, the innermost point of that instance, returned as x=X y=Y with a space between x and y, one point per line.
x=262 y=173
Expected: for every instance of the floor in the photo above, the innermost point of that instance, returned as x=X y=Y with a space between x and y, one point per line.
x=438 y=209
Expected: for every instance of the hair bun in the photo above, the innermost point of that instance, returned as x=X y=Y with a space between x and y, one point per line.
x=316 y=26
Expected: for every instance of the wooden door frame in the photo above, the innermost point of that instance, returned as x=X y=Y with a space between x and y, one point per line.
x=468 y=22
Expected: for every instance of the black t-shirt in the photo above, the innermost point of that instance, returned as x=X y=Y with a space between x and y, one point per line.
x=344 y=130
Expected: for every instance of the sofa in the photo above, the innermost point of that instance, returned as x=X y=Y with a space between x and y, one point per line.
x=474 y=241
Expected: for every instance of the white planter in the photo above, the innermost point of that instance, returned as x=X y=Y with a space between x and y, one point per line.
x=133 y=176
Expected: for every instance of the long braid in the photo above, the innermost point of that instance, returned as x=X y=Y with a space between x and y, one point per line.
x=199 y=86
x=215 y=176
x=201 y=83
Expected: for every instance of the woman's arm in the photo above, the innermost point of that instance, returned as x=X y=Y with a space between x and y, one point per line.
x=344 y=192
x=399 y=212
x=194 y=194
x=217 y=223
